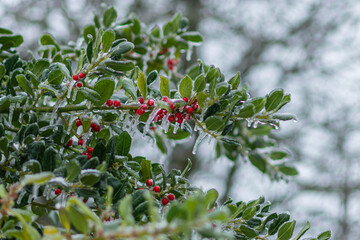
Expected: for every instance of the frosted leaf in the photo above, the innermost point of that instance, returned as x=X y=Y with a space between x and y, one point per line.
x=54 y=112
x=199 y=139
x=58 y=181
x=11 y=112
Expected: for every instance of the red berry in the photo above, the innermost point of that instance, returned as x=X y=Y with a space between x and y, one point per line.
x=109 y=103
x=81 y=75
x=166 y=50
x=70 y=142
x=170 y=62
x=79 y=84
x=160 y=112
x=195 y=106
x=161 y=52
x=84 y=153
x=144 y=107
x=165 y=99
x=117 y=103
x=89 y=156
x=57 y=191
x=80 y=142
x=189 y=110
x=90 y=150
x=185 y=99
x=75 y=77
x=165 y=201
x=141 y=100
x=140 y=111
x=171 y=105
x=93 y=125
x=171 y=118
x=171 y=67
x=171 y=197
x=85 y=200
x=156 y=189
x=78 y=123
x=180 y=120
x=140 y=188
x=178 y=115
x=97 y=128
x=149 y=182
x=150 y=102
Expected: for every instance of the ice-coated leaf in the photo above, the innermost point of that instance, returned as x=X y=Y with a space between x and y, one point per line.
x=107 y=40
x=123 y=144
x=105 y=88
x=110 y=16
x=286 y=231
x=24 y=84
x=185 y=87
x=274 y=99
x=164 y=86
x=142 y=85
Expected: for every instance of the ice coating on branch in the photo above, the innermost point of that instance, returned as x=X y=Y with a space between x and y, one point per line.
x=21 y=196
x=54 y=112
x=199 y=139
x=70 y=87
x=73 y=98
x=11 y=112
x=58 y=181
x=72 y=119
x=149 y=120
x=176 y=127
x=35 y=191
x=88 y=105
x=47 y=192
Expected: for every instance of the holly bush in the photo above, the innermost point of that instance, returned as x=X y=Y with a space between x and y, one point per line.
x=69 y=115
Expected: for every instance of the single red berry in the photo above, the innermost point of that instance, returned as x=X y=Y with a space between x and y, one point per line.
x=69 y=143
x=93 y=125
x=195 y=101
x=170 y=62
x=171 y=105
x=150 y=102
x=97 y=128
x=78 y=123
x=81 y=75
x=57 y=191
x=195 y=106
x=189 y=110
x=171 y=67
x=156 y=189
x=161 y=52
x=79 y=84
x=149 y=182
x=75 y=77
x=160 y=112
x=90 y=150
x=171 y=197
x=165 y=99
x=117 y=103
x=109 y=103
x=108 y=219
x=72 y=195
x=80 y=142
x=166 y=50
x=178 y=115
x=85 y=200
x=214 y=225
x=185 y=99
x=171 y=118
x=144 y=107
x=165 y=112
x=180 y=120
x=141 y=100
x=89 y=156
x=140 y=188
x=84 y=153
x=140 y=111
x=165 y=201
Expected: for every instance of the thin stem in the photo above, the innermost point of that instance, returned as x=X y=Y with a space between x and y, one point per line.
x=202 y=128
x=43 y=205
x=68 y=125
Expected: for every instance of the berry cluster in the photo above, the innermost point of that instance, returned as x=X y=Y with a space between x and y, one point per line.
x=141 y=110
x=171 y=63
x=179 y=114
x=157 y=189
x=88 y=153
x=77 y=77
x=95 y=127
x=116 y=103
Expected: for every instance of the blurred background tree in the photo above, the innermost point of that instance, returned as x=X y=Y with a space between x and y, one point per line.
x=307 y=47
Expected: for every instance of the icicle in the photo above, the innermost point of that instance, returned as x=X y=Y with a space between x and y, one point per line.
x=35 y=191
x=199 y=139
x=176 y=127
x=71 y=85
x=134 y=124
x=62 y=200
x=73 y=98
x=149 y=120
x=54 y=112
x=72 y=118
x=255 y=124
x=189 y=53
x=20 y=197
x=167 y=126
x=11 y=112
x=121 y=116
x=182 y=125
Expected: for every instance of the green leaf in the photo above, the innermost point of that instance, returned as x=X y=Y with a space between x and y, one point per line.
x=123 y=144
x=194 y=37
x=39 y=178
x=12 y=41
x=65 y=219
x=246 y=111
x=211 y=197
x=277 y=155
x=303 y=231
x=222 y=88
x=107 y=40
x=136 y=26
x=259 y=103
x=235 y=81
x=286 y=231
x=47 y=39
x=212 y=110
x=249 y=232
x=125 y=210
x=249 y=213
x=275 y=225
x=213 y=123
x=73 y=169
x=89 y=30
x=286 y=99
x=146 y=169
x=2 y=71
x=90 y=94
x=122 y=66
x=164 y=86
x=89 y=176
x=141 y=81
x=105 y=88
x=185 y=87
x=122 y=48
x=49 y=88
x=258 y=161
x=283 y=116
x=324 y=236
x=110 y=16
x=50 y=158
x=77 y=219
x=160 y=143
x=155 y=32
x=200 y=83
x=24 y=84
x=129 y=87
x=152 y=77
x=274 y=99
x=287 y=170
x=56 y=77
